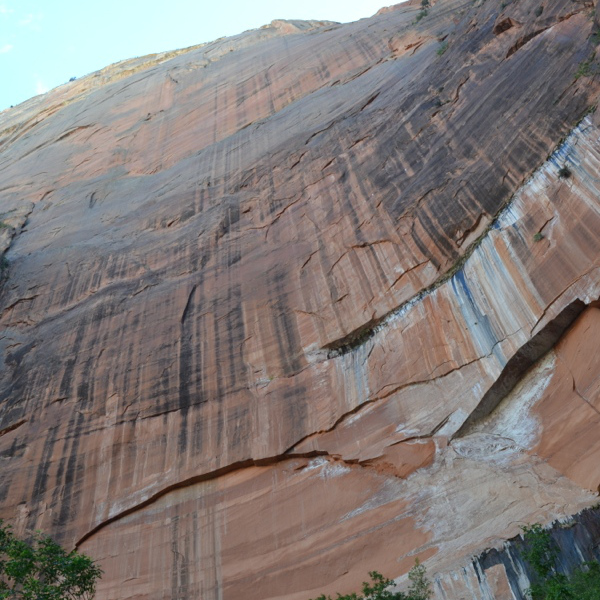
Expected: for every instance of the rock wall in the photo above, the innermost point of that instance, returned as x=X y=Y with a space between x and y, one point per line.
x=504 y=574
x=307 y=302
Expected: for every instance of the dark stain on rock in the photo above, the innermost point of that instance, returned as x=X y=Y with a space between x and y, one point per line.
x=578 y=541
x=288 y=339
x=522 y=360
x=180 y=568
x=69 y=364
x=504 y=25
x=43 y=466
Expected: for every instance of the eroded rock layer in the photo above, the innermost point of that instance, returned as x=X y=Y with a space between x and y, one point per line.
x=307 y=302
x=504 y=574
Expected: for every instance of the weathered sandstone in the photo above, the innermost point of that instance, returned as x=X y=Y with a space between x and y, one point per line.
x=307 y=302
x=503 y=574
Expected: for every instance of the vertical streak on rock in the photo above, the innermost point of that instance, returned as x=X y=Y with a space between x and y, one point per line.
x=186 y=355
x=504 y=573
x=478 y=323
x=522 y=360
x=43 y=466
x=287 y=338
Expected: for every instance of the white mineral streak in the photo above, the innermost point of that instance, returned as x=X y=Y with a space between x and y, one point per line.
x=512 y=427
x=487 y=300
x=469 y=492
x=497 y=485
x=480 y=487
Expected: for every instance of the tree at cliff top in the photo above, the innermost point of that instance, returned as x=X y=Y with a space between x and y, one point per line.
x=43 y=570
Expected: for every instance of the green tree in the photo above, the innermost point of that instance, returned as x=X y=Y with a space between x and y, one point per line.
x=43 y=570
x=420 y=587
x=541 y=554
x=379 y=587
x=585 y=582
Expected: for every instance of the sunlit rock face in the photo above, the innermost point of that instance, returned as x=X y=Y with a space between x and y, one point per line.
x=306 y=302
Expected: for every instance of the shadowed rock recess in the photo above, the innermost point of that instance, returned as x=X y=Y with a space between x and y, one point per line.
x=306 y=302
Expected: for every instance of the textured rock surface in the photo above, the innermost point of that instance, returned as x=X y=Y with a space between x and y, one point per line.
x=504 y=574
x=306 y=302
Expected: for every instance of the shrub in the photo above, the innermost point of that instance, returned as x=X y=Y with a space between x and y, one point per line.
x=443 y=47
x=420 y=586
x=538 y=237
x=586 y=68
x=421 y=15
x=43 y=570
x=585 y=582
x=378 y=588
x=564 y=172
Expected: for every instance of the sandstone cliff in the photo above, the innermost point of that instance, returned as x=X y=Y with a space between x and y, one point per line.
x=306 y=302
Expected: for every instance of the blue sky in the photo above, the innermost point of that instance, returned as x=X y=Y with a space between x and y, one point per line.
x=43 y=43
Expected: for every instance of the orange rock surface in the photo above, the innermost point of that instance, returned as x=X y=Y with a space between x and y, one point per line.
x=306 y=302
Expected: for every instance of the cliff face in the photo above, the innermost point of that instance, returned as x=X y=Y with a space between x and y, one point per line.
x=504 y=574
x=307 y=302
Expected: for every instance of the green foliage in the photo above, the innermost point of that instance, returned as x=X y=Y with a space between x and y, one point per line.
x=586 y=68
x=564 y=172
x=541 y=553
x=421 y=15
x=378 y=588
x=443 y=47
x=583 y=70
x=4 y=225
x=584 y=583
x=538 y=237
x=43 y=570
x=420 y=587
